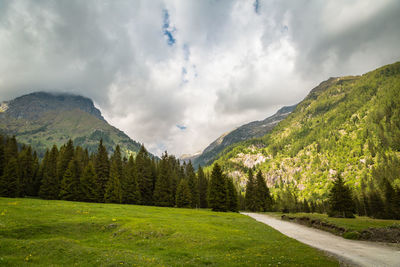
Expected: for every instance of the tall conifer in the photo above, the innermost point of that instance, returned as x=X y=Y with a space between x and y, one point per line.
x=217 y=195
x=163 y=194
x=113 y=193
x=9 y=180
x=50 y=187
x=202 y=187
x=145 y=174
x=250 y=197
x=102 y=168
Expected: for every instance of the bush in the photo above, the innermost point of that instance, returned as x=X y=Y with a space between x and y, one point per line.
x=351 y=235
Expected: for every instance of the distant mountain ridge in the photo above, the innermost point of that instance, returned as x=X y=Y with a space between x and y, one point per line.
x=32 y=106
x=245 y=132
x=347 y=126
x=42 y=119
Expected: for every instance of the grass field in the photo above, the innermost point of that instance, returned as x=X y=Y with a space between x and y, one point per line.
x=39 y=232
x=357 y=224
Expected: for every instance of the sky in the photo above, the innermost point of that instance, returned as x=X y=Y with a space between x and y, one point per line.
x=176 y=74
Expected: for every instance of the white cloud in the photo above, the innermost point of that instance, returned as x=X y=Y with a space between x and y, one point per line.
x=227 y=65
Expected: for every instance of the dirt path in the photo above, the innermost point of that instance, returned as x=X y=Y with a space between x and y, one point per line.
x=359 y=253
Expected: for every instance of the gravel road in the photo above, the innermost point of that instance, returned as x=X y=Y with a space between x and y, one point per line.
x=358 y=253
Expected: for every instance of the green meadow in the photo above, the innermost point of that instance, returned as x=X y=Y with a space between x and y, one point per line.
x=37 y=232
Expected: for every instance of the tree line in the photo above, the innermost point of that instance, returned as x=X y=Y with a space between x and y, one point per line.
x=70 y=173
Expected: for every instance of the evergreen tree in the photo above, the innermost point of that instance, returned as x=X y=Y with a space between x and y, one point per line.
x=2 y=156
x=88 y=184
x=11 y=149
x=65 y=156
x=250 y=195
x=217 y=195
x=9 y=180
x=233 y=201
x=392 y=203
x=131 y=194
x=102 y=168
x=263 y=197
x=145 y=174
x=376 y=205
x=113 y=192
x=183 y=195
x=70 y=188
x=202 y=187
x=37 y=177
x=306 y=206
x=50 y=187
x=163 y=195
x=193 y=184
x=27 y=172
x=340 y=200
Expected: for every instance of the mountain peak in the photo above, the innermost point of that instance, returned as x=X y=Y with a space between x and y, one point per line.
x=33 y=105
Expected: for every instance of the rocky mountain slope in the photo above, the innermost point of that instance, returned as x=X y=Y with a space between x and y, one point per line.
x=348 y=126
x=245 y=132
x=43 y=119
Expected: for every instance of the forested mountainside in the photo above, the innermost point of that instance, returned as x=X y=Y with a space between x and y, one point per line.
x=43 y=119
x=245 y=132
x=347 y=126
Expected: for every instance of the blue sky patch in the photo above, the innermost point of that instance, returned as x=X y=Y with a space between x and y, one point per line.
x=181 y=127
x=167 y=29
x=257 y=6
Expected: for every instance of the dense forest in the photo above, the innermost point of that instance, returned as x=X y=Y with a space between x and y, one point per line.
x=70 y=173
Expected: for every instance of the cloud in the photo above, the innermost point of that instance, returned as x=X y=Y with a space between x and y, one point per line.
x=177 y=74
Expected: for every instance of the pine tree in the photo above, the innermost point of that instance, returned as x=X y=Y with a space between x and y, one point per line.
x=37 y=178
x=70 y=188
x=193 y=184
x=340 y=200
x=65 y=156
x=217 y=195
x=88 y=184
x=202 y=187
x=102 y=168
x=11 y=149
x=50 y=187
x=163 y=195
x=306 y=206
x=233 y=201
x=145 y=174
x=131 y=194
x=27 y=172
x=9 y=180
x=2 y=156
x=376 y=205
x=263 y=197
x=183 y=195
x=113 y=192
x=250 y=196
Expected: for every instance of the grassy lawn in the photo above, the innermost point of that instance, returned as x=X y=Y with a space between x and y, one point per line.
x=357 y=224
x=40 y=232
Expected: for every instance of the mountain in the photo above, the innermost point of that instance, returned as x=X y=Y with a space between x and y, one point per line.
x=245 y=132
x=348 y=126
x=43 y=119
